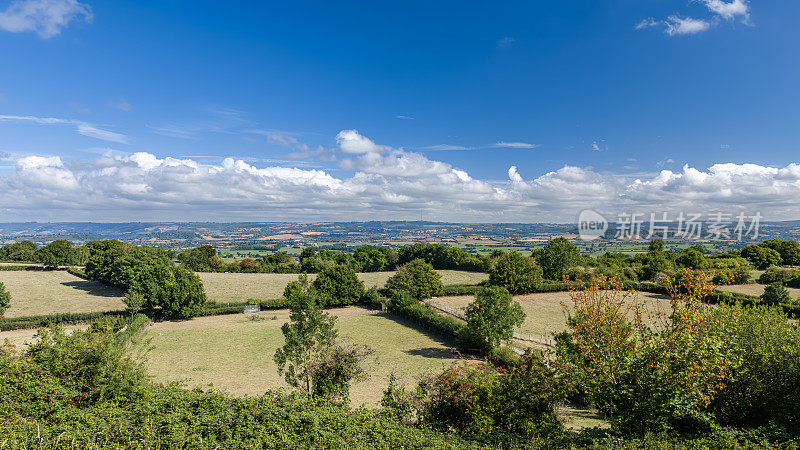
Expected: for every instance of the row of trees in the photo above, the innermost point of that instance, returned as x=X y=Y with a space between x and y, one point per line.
x=57 y=253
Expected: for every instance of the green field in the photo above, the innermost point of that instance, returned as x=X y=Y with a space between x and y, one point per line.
x=238 y=287
x=234 y=353
x=36 y=293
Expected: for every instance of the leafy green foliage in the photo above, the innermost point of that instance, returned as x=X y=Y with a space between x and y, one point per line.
x=516 y=273
x=776 y=293
x=442 y=257
x=692 y=258
x=22 y=251
x=789 y=251
x=491 y=319
x=5 y=298
x=482 y=400
x=311 y=359
x=59 y=253
x=149 y=276
x=556 y=257
x=403 y=304
x=418 y=279
x=339 y=286
x=762 y=257
x=764 y=389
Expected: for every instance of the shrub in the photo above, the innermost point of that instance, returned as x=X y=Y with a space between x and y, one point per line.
x=491 y=320
x=339 y=286
x=691 y=258
x=637 y=374
x=403 y=304
x=90 y=362
x=5 y=298
x=482 y=400
x=764 y=389
x=775 y=274
x=516 y=273
x=418 y=279
x=776 y=293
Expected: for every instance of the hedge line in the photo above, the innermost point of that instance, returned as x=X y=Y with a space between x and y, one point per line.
x=136 y=325
x=20 y=323
x=792 y=310
x=20 y=268
x=78 y=273
x=428 y=318
x=217 y=309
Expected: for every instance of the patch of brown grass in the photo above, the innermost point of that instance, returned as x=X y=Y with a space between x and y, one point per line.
x=235 y=353
x=36 y=293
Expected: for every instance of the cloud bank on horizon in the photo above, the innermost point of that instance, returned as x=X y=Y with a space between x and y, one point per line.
x=386 y=184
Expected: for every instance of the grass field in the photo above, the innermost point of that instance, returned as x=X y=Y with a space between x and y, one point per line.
x=48 y=292
x=754 y=289
x=544 y=314
x=235 y=353
x=238 y=287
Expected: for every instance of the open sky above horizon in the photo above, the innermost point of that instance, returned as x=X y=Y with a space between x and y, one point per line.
x=458 y=111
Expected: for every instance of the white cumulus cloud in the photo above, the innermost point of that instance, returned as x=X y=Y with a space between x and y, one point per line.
x=47 y=18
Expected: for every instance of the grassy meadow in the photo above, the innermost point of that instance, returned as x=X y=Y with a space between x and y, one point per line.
x=544 y=314
x=234 y=352
x=36 y=293
x=239 y=287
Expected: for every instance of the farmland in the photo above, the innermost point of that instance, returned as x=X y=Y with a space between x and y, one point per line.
x=51 y=292
x=234 y=352
x=237 y=287
x=544 y=314
x=754 y=289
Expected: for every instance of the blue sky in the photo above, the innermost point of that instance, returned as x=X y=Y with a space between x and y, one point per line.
x=582 y=98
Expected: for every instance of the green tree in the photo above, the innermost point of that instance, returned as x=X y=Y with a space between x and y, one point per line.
x=5 y=298
x=339 y=286
x=491 y=319
x=198 y=259
x=789 y=250
x=418 y=279
x=762 y=257
x=656 y=246
x=556 y=257
x=18 y=251
x=691 y=257
x=56 y=253
x=311 y=360
x=175 y=290
x=776 y=293
x=516 y=273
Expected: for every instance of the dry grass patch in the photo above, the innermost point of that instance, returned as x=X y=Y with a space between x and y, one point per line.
x=35 y=293
x=239 y=287
x=754 y=289
x=544 y=314
x=234 y=353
